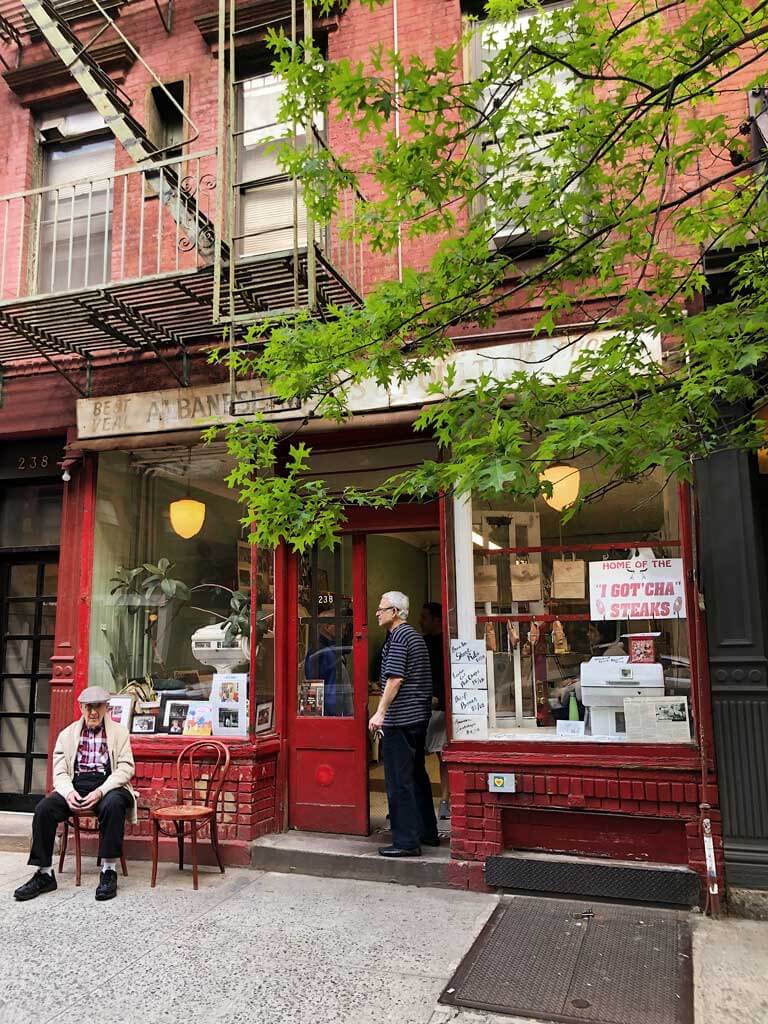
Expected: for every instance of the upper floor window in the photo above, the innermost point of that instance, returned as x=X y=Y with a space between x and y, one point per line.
x=74 y=226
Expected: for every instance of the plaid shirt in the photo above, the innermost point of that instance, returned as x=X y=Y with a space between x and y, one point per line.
x=93 y=752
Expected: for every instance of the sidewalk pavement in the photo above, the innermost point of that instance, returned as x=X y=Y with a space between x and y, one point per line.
x=252 y=947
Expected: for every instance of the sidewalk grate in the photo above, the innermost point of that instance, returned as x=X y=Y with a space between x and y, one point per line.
x=563 y=960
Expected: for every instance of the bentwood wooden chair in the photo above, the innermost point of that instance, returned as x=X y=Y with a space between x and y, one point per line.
x=77 y=820
x=208 y=758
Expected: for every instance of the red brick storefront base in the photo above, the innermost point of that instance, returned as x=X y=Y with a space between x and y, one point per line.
x=621 y=811
x=246 y=807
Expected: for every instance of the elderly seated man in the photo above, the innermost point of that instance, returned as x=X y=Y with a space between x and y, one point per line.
x=92 y=768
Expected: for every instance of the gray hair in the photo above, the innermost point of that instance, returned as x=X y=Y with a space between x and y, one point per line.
x=399 y=602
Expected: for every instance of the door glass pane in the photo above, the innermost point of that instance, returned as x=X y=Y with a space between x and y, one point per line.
x=39 y=770
x=30 y=516
x=43 y=696
x=17 y=656
x=40 y=745
x=51 y=579
x=12 y=775
x=21 y=617
x=23 y=582
x=325 y=633
x=13 y=735
x=46 y=650
x=14 y=695
x=48 y=618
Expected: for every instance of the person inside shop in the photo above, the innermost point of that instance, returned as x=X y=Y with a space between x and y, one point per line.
x=327 y=662
x=92 y=769
x=402 y=716
x=431 y=626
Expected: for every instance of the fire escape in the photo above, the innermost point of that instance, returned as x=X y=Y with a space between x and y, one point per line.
x=90 y=268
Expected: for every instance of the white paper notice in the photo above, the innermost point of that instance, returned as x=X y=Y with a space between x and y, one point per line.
x=468 y=677
x=636 y=588
x=568 y=729
x=470 y=702
x=657 y=719
x=468 y=652
x=470 y=727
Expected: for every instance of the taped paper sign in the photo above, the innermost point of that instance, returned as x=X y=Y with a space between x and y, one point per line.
x=470 y=727
x=468 y=677
x=636 y=588
x=470 y=702
x=468 y=652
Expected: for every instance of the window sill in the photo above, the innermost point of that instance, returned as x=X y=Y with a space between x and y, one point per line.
x=166 y=746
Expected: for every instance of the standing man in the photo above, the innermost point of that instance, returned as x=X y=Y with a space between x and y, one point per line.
x=403 y=714
x=92 y=768
x=431 y=625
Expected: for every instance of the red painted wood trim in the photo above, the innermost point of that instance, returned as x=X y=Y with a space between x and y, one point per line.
x=567 y=548
x=701 y=688
x=285 y=626
x=87 y=533
x=533 y=618
x=495 y=754
x=447 y=595
x=424 y=516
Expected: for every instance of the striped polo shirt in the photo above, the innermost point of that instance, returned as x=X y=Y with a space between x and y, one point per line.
x=405 y=656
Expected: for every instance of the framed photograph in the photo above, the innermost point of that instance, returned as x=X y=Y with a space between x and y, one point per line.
x=119 y=710
x=143 y=725
x=264 y=717
x=174 y=715
x=199 y=720
x=229 y=695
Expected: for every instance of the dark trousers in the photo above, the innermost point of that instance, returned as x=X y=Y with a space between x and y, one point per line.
x=409 y=791
x=54 y=809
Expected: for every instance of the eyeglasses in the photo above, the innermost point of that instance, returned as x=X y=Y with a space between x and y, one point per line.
x=380 y=611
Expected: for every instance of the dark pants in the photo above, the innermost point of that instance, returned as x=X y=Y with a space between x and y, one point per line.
x=409 y=791
x=54 y=809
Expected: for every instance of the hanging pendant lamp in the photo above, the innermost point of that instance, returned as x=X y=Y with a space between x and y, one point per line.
x=187 y=514
x=565 y=486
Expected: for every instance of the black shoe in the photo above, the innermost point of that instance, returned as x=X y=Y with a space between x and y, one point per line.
x=395 y=851
x=107 y=887
x=431 y=842
x=39 y=883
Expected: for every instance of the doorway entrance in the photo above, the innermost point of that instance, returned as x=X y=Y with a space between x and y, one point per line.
x=335 y=779
x=28 y=585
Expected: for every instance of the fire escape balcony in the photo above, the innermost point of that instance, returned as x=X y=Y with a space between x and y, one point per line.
x=158 y=256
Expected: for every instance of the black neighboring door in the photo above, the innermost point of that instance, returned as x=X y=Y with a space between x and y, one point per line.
x=27 y=617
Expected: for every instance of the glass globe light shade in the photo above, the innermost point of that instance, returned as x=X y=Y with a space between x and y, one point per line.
x=187 y=517
x=565 y=486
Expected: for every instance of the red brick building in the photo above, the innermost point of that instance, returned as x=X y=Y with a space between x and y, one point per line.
x=137 y=221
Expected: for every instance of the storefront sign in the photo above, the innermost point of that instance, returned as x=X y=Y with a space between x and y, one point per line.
x=637 y=588
x=24 y=460
x=154 y=412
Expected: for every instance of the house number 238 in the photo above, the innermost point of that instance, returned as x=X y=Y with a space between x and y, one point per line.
x=27 y=462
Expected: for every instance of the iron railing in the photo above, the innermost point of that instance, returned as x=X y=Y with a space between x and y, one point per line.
x=100 y=230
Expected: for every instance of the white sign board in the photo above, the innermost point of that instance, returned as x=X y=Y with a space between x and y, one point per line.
x=470 y=727
x=468 y=652
x=468 y=677
x=636 y=588
x=570 y=730
x=657 y=719
x=470 y=702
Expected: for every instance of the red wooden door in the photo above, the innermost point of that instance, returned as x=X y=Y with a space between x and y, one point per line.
x=328 y=693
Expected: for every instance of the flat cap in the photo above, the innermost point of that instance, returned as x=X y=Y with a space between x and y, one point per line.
x=95 y=695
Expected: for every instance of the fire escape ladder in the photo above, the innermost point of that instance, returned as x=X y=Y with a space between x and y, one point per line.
x=114 y=107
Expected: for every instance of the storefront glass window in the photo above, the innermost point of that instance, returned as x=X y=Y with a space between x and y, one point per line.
x=580 y=630
x=171 y=612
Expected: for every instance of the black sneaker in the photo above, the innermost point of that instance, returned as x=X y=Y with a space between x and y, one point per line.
x=39 y=883
x=107 y=887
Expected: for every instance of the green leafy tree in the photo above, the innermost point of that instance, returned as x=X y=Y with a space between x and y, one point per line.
x=592 y=134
